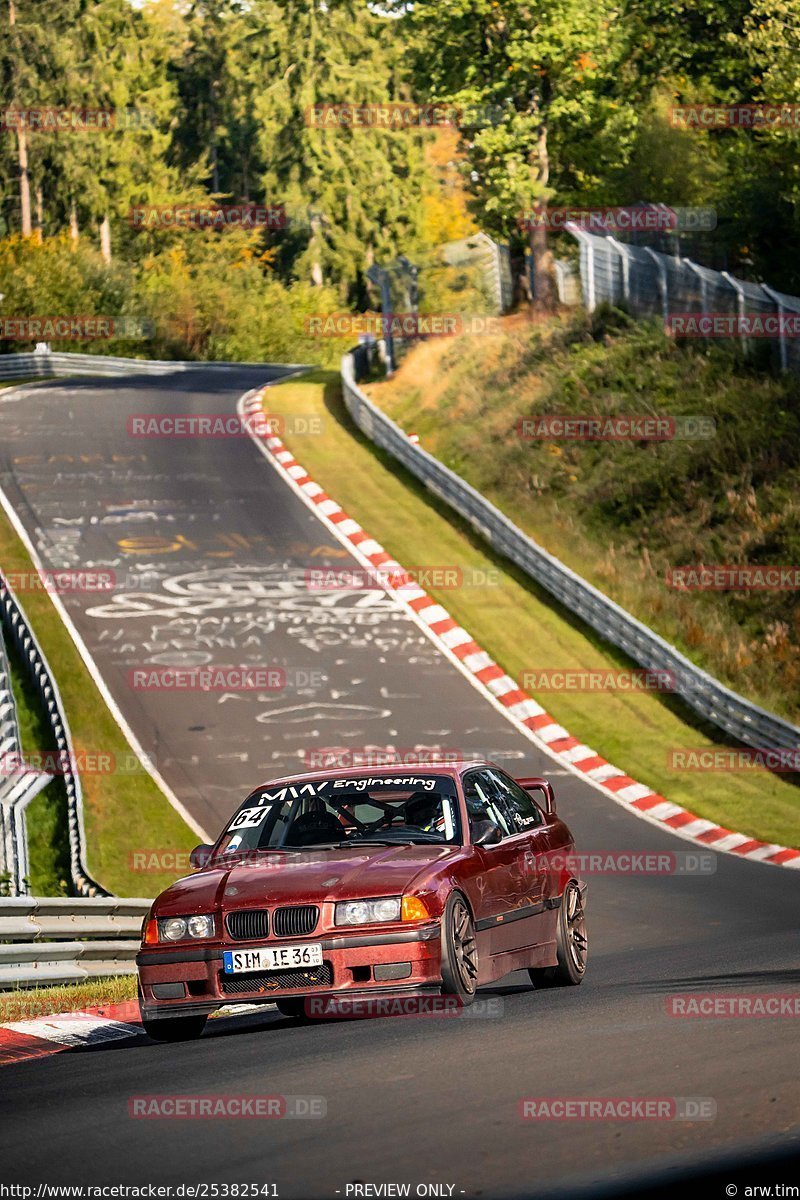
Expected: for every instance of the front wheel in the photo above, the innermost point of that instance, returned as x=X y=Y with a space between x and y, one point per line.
x=459 y=951
x=174 y=1029
x=572 y=946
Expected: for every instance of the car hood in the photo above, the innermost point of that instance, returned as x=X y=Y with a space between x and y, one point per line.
x=307 y=877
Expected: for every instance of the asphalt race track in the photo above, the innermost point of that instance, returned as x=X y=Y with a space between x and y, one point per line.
x=223 y=546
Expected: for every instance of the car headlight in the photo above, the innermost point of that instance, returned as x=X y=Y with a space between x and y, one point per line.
x=178 y=929
x=364 y=912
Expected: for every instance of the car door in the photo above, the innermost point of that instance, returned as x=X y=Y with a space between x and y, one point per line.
x=533 y=879
x=499 y=878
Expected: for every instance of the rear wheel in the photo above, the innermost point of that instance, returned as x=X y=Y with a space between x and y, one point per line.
x=572 y=945
x=459 y=951
x=174 y=1029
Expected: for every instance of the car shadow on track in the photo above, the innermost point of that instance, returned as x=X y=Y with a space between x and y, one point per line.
x=785 y=976
x=263 y=1022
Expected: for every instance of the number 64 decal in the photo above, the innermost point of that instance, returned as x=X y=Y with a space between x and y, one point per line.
x=248 y=818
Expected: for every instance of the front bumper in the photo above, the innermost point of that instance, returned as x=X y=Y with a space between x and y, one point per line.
x=189 y=980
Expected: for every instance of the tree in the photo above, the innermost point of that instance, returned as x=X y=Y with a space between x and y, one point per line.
x=34 y=41
x=537 y=74
x=353 y=195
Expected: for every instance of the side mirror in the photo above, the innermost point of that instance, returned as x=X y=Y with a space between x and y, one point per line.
x=486 y=833
x=537 y=784
x=200 y=856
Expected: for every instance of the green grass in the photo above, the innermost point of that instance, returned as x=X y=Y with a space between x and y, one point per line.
x=72 y=997
x=124 y=812
x=522 y=628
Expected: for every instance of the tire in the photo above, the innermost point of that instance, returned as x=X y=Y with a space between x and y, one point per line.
x=572 y=946
x=292 y=1006
x=174 y=1029
x=459 y=951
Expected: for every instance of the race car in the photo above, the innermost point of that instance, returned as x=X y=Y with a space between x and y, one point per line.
x=361 y=884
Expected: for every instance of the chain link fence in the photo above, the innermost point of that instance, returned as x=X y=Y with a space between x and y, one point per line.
x=653 y=284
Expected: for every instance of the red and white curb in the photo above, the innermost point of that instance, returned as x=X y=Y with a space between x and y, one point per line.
x=39 y=1037
x=504 y=693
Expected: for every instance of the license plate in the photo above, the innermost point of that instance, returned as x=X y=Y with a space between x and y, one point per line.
x=271 y=958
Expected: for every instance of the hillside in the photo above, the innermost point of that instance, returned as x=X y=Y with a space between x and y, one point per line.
x=626 y=513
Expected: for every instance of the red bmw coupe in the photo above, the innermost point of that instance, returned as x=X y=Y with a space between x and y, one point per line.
x=356 y=883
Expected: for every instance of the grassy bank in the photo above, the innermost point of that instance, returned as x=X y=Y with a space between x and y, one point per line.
x=72 y=997
x=521 y=627
x=624 y=514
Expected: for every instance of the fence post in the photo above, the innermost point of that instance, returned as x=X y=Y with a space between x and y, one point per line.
x=733 y=282
x=775 y=298
x=622 y=250
x=585 y=240
x=663 y=283
x=693 y=267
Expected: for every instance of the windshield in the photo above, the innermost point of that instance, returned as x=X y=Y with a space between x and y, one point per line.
x=412 y=809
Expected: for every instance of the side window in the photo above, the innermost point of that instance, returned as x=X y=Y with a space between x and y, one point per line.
x=482 y=802
x=522 y=809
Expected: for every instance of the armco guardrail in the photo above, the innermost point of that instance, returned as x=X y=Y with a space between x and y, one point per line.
x=17 y=788
x=709 y=698
x=17 y=629
x=63 y=940
x=44 y=364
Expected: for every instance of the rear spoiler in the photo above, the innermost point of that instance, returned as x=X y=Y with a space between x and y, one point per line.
x=537 y=783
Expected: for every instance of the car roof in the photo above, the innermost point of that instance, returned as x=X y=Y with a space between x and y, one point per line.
x=450 y=769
